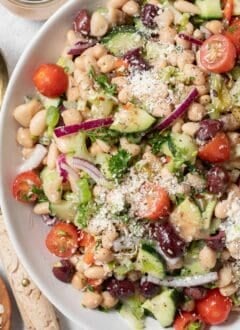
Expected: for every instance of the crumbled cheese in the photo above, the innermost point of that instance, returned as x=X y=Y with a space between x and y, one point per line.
x=232 y=224
x=236 y=273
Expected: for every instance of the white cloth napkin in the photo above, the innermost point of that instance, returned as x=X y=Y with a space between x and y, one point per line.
x=15 y=34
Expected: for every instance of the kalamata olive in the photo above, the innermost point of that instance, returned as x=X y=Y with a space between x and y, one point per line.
x=135 y=59
x=208 y=129
x=65 y=271
x=216 y=242
x=81 y=46
x=168 y=239
x=195 y=293
x=217 y=180
x=148 y=14
x=120 y=288
x=148 y=289
x=81 y=22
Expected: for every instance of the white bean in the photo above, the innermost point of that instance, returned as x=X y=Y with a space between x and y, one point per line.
x=99 y=25
x=38 y=123
x=95 y=273
x=124 y=96
x=108 y=300
x=91 y=299
x=214 y=26
x=107 y=63
x=190 y=128
x=25 y=112
x=131 y=8
x=116 y=3
x=71 y=117
x=41 y=208
x=167 y=35
x=186 y=7
x=228 y=290
x=98 y=51
x=205 y=99
x=103 y=255
x=196 y=112
x=207 y=257
x=221 y=209
x=224 y=277
x=73 y=94
x=165 y=18
x=79 y=281
x=116 y=16
x=24 y=138
x=52 y=156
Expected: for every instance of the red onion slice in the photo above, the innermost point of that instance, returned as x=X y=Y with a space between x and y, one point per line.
x=183 y=282
x=81 y=46
x=179 y=111
x=34 y=160
x=73 y=177
x=60 y=161
x=85 y=126
x=190 y=39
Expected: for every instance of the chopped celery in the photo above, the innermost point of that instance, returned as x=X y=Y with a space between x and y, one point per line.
x=52 y=119
x=84 y=190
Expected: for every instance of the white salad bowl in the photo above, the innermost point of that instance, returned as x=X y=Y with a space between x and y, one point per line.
x=26 y=230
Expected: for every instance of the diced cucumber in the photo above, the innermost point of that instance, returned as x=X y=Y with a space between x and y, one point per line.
x=122 y=39
x=148 y=261
x=236 y=8
x=187 y=218
x=163 y=307
x=102 y=159
x=210 y=8
x=136 y=324
x=132 y=120
x=49 y=102
x=208 y=213
x=65 y=210
x=191 y=262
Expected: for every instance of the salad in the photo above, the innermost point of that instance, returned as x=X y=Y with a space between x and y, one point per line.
x=131 y=156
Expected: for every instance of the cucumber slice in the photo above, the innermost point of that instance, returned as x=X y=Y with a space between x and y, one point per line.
x=136 y=324
x=163 y=307
x=132 y=120
x=208 y=213
x=148 y=261
x=65 y=210
x=210 y=8
x=122 y=39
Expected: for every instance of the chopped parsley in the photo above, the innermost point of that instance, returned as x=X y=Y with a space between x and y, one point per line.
x=119 y=164
x=103 y=82
x=84 y=213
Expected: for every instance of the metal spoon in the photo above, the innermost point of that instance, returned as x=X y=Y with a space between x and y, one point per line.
x=3 y=77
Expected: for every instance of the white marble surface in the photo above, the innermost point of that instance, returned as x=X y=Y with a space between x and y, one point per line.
x=15 y=33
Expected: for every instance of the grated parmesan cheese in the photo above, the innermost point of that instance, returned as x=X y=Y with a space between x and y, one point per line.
x=232 y=224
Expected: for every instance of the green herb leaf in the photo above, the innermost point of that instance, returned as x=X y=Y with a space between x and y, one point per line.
x=156 y=140
x=84 y=214
x=41 y=197
x=103 y=82
x=119 y=164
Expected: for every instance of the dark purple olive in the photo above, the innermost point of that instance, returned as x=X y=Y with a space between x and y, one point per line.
x=216 y=242
x=65 y=271
x=135 y=59
x=217 y=180
x=168 y=239
x=195 y=293
x=208 y=129
x=148 y=14
x=81 y=46
x=120 y=288
x=81 y=22
x=148 y=289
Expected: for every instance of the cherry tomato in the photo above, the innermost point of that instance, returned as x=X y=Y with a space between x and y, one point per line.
x=217 y=150
x=23 y=187
x=155 y=203
x=50 y=80
x=233 y=33
x=228 y=10
x=62 y=240
x=184 y=319
x=85 y=239
x=218 y=54
x=214 y=308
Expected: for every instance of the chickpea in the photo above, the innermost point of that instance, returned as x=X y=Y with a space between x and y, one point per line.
x=131 y=8
x=124 y=96
x=25 y=112
x=233 y=248
x=103 y=255
x=103 y=145
x=194 y=73
x=52 y=156
x=202 y=89
x=177 y=126
x=108 y=237
x=107 y=63
x=214 y=26
x=38 y=123
x=131 y=148
x=207 y=257
x=95 y=149
x=98 y=51
x=224 y=276
x=84 y=63
x=24 y=138
x=167 y=35
x=120 y=82
x=228 y=290
x=205 y=99
x=187 y=57
x=91 y=299
x=230 y=123
x=198 y=34
x=72 y=94
x=99 y=25
x=71 y=117
x=225 y=255
x=116 y=16
x=165 y=18
x=95 y=273
x=186 y=7
x=196 y=112
x=41 y=208
x=79 y=281
x=182 y=43
x=116 y=3
x=190 y=128
x=108 y=300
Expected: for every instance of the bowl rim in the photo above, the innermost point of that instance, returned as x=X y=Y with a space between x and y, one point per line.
x=5 y=211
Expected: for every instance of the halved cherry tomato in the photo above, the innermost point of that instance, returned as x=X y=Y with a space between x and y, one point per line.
x=184 y=320
x=23 y=186
x=88 y=256
x=155 y=202
x=62 y=240
x=85 y=239
x=50 y=80
x=218 y=54
x=233 y=33
x=228 y=10
x=217 y=150
x=214 y=308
